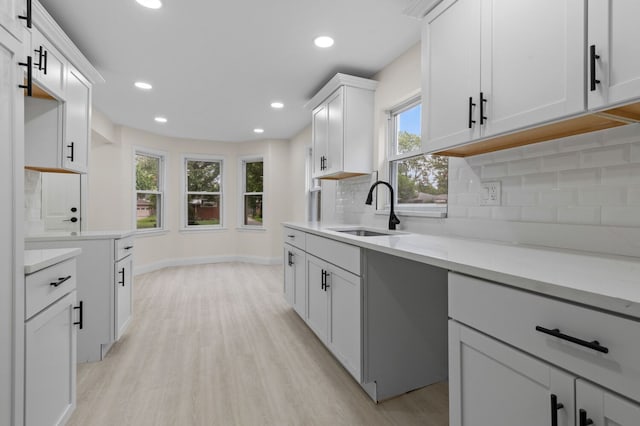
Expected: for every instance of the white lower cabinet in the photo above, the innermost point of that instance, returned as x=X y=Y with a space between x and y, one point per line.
x=335 y=311
x=50 y=364
x=123 y=294
x=515 y=356
x=295 y=288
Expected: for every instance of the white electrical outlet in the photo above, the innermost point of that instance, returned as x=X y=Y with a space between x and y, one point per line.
x=491 y=194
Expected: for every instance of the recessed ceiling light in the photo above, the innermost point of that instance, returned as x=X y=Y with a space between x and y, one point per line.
x=323 y=41
x=151 y=4
x=142 y=85
x=277 y=105
x=258 y=130
x=161 y=119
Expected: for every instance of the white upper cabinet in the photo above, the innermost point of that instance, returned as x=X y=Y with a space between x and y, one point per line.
x=613 y=62
x=77 y=114
x=496 y=66
x=342 y=123
x=9 y=12
x=49 y=65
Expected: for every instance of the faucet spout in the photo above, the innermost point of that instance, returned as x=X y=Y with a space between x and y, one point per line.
x=393 y=219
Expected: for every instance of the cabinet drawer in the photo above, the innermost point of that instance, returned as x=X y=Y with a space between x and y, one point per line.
x=340 y=254
x=124 y=247
x=294 y=237
x=40 y=290
x=512 y=316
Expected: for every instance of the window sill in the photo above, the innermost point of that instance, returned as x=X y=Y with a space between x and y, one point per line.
x=410 y=213
x=251 y=228
x=151 y=232
x=201 y=229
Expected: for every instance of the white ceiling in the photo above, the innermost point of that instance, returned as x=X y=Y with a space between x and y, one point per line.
x=216 y=65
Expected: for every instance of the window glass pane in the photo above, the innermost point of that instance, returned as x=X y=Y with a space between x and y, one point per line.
x=254 y=176
x=253 y=210
x=408 y=131
x=203 y=176
x=422 y=180
x=203 y=209
x=147 y=173
x=148 y=211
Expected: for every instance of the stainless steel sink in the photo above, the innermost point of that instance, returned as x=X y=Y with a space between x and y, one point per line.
x=362 y=232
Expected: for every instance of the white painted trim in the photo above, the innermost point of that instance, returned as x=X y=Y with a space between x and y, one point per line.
x=168 y=263
x=419 y=8
x=52 y=31
x=337 y=81
x=241 y=187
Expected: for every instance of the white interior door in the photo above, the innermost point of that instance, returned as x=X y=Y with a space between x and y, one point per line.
x=61 y=202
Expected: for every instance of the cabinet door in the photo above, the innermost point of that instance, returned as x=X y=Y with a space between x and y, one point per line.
x=299 y=280
x=318 y=305
x=603 y=407
x=50 y=364
x=77 y=116
x=531 y=73
x=123 y=296
x=335 y=120
x=11 y=138
x=289 y=275
x=345 y=337
x=451 y=74
x=9 y=11
x=49 y=65
x=320 y=138
x=614 y=31
x=491 y=383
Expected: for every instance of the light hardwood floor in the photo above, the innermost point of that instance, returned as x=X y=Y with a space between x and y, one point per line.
x=218 y=345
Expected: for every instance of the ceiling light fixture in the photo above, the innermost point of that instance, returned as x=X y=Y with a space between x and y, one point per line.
x=323 y=41
x=142 y=85
x=277 y=105
x=151 y=4
x=258 y=130
x=161 y=119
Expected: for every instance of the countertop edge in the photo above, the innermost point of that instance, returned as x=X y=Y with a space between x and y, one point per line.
x=36 y=260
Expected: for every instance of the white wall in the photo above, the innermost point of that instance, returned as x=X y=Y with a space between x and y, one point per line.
x=581 y=192
x=111 y=199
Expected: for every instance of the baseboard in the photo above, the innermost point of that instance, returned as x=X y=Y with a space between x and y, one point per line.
x=168 y=263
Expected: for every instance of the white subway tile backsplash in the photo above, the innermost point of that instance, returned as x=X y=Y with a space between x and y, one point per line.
x=540 y=149
x=580 y=142
x=540 y=181
x=579 y=215
x=578 y=178
x=492 y=171
x=520 y=198
x=511 y=183
x=479 y=212
x=469 y=199
x=621 y=215
x=607 y=156
x=633 y=196
x=557 y=162
x=635 y=152
x=540 y=214
x=523 y=167
x=603 y=196
x=558 y=197
x=621 y=175
x=506 y=213
x=456 y=211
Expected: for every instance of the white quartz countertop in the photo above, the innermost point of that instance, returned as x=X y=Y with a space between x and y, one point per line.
x=35 y=260
x=610 y=283
x=84 y=235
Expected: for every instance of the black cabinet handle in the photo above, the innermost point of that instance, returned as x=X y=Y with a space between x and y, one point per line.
x=45 y=55
x=595 y=345
x=471 y=105
x=554 y=409
x=27 y=17
x=80 y=315
x=40 y=52
x=29 y=65
x=290 y=259
x=483 y=100
x=121 y=273
x=60 y=281
x=583 y=419
x=128 y=247
x=592 y=66
x=71 y=147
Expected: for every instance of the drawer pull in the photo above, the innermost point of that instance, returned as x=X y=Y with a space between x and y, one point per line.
x=554 y=409
x=60 y=281
x=128 y=247
x=291 y=236
x=80 y=307
x=595 y=345
x=583 y=419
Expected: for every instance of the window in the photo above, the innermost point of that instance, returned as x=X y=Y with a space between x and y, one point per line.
x=252 y=192
x=149 y=169
x=202 y=193
x=420 y=181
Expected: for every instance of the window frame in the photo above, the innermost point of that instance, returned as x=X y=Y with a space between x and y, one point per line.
x=419 y=210
x=184 y=193
x=242 y=179
x=162 y=170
